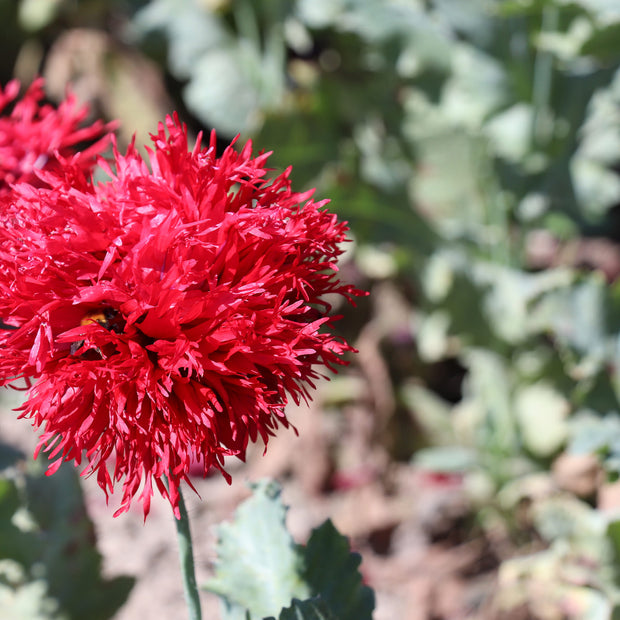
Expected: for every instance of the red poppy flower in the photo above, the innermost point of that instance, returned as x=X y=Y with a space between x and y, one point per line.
x=167 y=313
x=34 y=134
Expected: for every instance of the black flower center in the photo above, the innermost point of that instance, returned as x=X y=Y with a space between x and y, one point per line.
x=107 y=317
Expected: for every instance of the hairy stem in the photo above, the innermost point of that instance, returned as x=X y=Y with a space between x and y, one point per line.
x=187 y=562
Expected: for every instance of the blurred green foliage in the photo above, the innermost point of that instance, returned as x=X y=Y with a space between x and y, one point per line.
x=49 y=565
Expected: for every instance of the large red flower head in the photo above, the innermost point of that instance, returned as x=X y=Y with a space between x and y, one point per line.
x=34 y=134
x=167 y=313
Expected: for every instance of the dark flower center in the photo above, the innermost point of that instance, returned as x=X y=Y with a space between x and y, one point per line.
x=107 y=317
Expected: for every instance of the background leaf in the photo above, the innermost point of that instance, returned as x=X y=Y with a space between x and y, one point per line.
x=49 y=564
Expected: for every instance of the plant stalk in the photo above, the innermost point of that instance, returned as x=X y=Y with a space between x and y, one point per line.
x=186 y=555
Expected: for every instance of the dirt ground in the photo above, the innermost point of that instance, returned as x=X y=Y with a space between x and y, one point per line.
x=407 y=524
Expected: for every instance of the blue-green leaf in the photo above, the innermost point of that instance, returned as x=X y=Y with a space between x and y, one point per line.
x=259 y=566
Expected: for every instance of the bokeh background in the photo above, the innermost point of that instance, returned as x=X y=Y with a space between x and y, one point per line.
x=471 y=448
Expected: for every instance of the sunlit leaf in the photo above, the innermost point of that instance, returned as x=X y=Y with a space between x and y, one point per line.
x=260 y=571
x=258 y=567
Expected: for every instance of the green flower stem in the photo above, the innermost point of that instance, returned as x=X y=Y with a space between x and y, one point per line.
x=187 y=562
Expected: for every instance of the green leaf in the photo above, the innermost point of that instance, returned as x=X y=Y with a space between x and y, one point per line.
x=37 y=14
x=312 y=609
x=230 y=85
x=446 y=459
x=258 y=567
x=15 y=544
x=191 y=31
x=595 y=434
x=604 y=43
x=455 y=208
x=232 y=79
x=541 y=413
x=47 y=551
x=432 y=413
x=394 y=222
x=72 y=560
x=260 y=570
x=331 y=571
x=25 y=601
x=9 y=455
x=613 y=533
x=308 y=140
